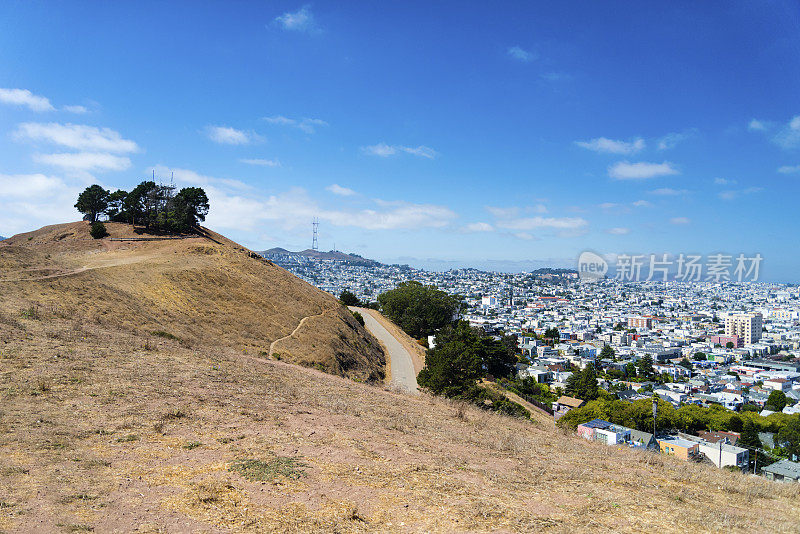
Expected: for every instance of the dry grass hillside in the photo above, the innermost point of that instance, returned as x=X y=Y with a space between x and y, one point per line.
x=199 y=290
x=105 y=427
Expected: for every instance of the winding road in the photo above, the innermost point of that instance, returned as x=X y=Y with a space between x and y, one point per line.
x=402 y=371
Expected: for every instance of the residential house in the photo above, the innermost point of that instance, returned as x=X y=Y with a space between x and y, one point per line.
x=682 y=448
x=604 y=432
x=644 y=440
x=783 y=471
x=722 y=454
x=564 y=404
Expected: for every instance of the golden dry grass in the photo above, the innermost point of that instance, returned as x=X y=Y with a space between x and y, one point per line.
x=100 y=426
x=198 y=290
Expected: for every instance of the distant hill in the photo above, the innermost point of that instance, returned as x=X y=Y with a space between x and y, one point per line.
x=280 y=255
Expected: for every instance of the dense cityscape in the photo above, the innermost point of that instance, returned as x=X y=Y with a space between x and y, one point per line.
x=726 y=344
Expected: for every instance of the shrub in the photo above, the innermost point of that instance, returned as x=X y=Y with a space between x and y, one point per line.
x=359 y=318
x=98 y=230
x=259 y=470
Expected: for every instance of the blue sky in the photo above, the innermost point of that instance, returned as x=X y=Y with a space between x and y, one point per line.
x=510 y=135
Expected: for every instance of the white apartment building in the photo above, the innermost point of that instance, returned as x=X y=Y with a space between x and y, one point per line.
x=745 y=325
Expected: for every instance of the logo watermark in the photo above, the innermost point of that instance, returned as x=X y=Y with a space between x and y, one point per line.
x=714 y=268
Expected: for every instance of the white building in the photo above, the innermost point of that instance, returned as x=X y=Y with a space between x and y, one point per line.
x=723 y=454
x=744 y=325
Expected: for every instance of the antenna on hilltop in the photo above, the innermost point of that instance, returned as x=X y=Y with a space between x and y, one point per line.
x=315 y=226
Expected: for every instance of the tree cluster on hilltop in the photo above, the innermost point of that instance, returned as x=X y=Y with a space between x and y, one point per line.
x=157 y=207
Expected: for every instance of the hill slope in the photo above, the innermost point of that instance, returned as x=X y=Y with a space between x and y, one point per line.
x=106 y=426
x=199 y=290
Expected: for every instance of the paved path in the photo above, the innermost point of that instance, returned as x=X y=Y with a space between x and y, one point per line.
x=402 y=367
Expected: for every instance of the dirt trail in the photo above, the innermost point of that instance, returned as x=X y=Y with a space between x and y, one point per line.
x=297 y=328
x=115 y=263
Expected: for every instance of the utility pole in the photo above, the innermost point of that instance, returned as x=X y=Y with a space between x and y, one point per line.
x=655 y=411
x=720 y=454
x=755 y=465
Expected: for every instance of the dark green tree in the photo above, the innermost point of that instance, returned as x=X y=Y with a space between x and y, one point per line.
x=607 y=353
x=418 y=309
x=574 y=385
x=788 y=438
x=461 y=356
x=190 y=208
x=645 y=366
x=589 y=388
x=92 y=202
x=630 y=370
x=348 y=298
x=776 y=401
x=551 y=334
x=116 y=206
x=454 y=364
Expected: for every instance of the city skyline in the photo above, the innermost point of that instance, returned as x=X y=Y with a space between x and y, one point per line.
x=515 y=136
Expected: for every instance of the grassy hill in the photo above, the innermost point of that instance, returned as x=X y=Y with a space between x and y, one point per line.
x=198 y=290
x=106 y=426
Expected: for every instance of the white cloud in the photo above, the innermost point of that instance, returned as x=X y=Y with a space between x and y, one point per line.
x=642 y=204
x=524 y=235
x=789 y=135
x=611 y=146
x=619 y=231
x=757 y=125
x=503 y=213
x=78 y=110
x=295 y=208
x=479 y=227
x=337 y=189
x=789 y=169
x=732 y=194
x=532 y=223
x=190 y=178
x=225 y=135
x=671 y=140
x=28 y=186
x=23 y=97
x=723 y=181
x=640 y=171
x=521 y=55
x=679 y=220
x=608 y=205
x=30 y=201
x=76 y=136
x=668 y=192
x=85 y=161
x=383 y=150
x=301 y=20
x=307 y=125
x=262 y=162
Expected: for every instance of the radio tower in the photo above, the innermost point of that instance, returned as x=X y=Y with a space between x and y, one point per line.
x=315 y=226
